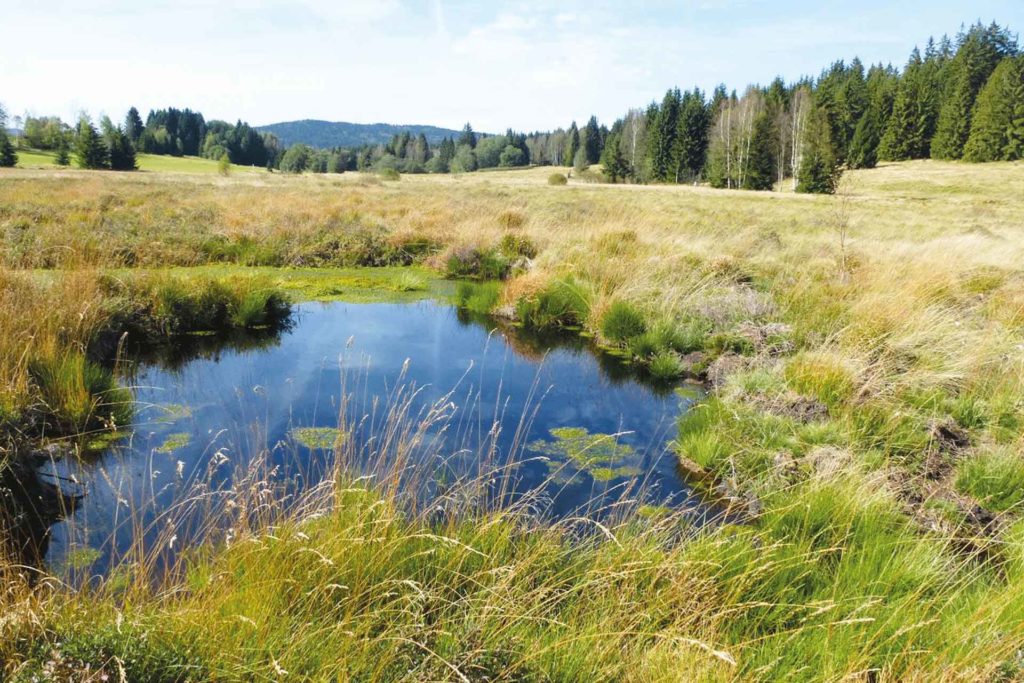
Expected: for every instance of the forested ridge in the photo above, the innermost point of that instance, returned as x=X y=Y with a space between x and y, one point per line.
x=959 y=98
x=330 y=134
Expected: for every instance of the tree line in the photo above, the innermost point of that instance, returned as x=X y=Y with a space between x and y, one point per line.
x=959 y=99
x=175 y=132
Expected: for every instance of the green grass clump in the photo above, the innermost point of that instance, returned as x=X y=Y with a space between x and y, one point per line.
x=665 y=366
x=557 y=179
x=622 y=321
x=995 y=479
x=699 y=437
x=259 y=308
x=478 y=297
x=822 y=377
x=562 y=303
x=175 y=305
x=78 y=395
x=389 y=174
x=685 y=336
x=411 y=282
x=183 y=306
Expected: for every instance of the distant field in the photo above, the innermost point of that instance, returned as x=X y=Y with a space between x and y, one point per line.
x=36 y=159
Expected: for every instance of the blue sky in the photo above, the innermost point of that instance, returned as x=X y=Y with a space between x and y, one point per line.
x=526 y=64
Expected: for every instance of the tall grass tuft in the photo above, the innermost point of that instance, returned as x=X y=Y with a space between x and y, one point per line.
x=563 y=303
x=79 y=395
x=622 y=321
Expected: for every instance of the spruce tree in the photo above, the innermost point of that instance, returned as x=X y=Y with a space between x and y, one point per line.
x=62 y=156
x=467 y=137
x=661 y=140
x=819 y=170
x=8 y=156
x=760 y=172
x=692 y=137
x=572 y=145
x=90 y=152
x=864 y=146
x=592 y=141
x=997 y=127
x=854 y=102
x=120 y=153
x=980 y=51
x=133 y=125
x=908 y=133
x=613 y=161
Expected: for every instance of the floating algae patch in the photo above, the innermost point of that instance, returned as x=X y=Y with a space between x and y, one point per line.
x=82 y=558
x=175 y=441
x=653 y=511
x=104 y=440
x=574 y=450
x=609 y=473
x=318 y=438
x=172 y=412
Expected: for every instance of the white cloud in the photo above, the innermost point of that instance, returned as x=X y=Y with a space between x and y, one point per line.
x=352 y=11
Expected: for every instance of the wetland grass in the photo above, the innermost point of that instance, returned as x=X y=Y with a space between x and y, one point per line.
x=864 y=410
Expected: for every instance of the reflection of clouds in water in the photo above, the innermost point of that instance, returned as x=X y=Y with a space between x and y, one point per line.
x=238 y=402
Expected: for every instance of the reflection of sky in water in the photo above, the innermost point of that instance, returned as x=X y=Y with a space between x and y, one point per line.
x=228 y=406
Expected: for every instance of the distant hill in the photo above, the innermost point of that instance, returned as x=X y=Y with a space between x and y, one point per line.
x=325 y=134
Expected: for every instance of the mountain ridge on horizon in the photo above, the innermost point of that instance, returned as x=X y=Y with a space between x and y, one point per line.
x=326 y=134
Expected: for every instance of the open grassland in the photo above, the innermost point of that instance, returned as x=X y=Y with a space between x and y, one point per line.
x=42 y=159
x=866 y=355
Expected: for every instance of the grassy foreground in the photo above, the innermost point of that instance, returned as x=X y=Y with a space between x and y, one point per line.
x=866 y=353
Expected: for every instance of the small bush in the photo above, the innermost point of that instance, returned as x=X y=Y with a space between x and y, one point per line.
x=622 y=321
x=517 y=245
x=557 y=179
x=389 y=174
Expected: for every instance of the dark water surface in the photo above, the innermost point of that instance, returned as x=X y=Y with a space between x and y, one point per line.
x=204 y=413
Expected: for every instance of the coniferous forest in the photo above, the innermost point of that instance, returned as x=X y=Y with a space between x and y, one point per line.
x=959 y=98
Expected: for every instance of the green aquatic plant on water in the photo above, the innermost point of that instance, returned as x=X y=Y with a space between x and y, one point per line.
x=574 y=450
x=318 y=438
x=175 y=441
